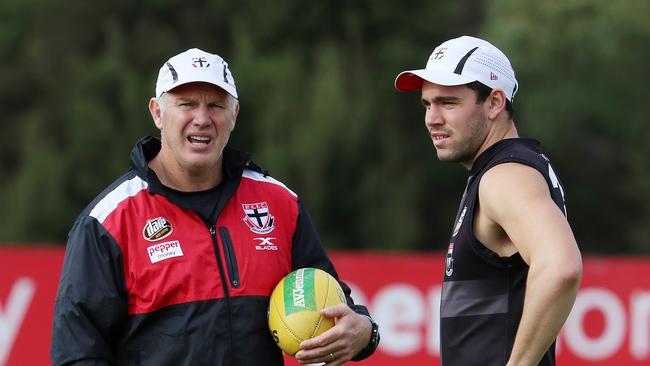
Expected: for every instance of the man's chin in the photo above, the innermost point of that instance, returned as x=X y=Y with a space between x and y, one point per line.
x=444 y=155
x=199 y=164
x=448 y=157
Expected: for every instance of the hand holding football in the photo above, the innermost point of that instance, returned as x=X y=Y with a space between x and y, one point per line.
x=295 y=304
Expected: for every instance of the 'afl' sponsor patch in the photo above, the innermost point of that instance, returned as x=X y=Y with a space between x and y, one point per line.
x=162 y=251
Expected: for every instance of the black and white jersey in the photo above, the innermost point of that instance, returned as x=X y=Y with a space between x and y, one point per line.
x=483 y=293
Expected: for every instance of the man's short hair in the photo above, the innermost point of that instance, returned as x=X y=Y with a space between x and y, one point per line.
x=483 y=91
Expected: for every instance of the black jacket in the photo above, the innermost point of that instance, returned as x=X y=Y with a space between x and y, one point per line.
x=146 y=281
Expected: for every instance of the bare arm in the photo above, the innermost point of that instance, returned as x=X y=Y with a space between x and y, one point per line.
x=516 y=199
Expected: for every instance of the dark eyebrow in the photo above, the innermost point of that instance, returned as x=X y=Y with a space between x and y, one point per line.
x=442 y=99
x=446 y=99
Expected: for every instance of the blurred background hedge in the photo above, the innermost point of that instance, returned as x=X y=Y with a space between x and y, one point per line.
x=318 y=107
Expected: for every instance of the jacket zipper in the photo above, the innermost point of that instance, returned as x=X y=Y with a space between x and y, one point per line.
x=231 y=258
x=217 y=252
x=224 y=283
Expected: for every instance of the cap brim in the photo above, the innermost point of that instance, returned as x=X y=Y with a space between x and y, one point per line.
x=225 y=86
x=413 y=79
x=408 y=81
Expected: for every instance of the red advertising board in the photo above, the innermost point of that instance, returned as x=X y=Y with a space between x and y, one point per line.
x=609 y=324
x=28 y=283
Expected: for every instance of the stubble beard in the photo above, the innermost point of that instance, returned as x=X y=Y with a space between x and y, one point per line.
x=465 y=151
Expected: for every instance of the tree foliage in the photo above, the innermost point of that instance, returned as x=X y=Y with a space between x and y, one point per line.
x=318 y=107
x=583 y=72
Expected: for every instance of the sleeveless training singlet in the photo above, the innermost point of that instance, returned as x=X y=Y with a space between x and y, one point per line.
x=482 y=293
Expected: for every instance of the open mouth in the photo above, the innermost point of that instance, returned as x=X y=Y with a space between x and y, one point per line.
x=195 y=139
x=439 y=139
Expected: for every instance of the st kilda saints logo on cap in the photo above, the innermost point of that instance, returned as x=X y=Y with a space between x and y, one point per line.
x=200 y=62
x=438 y=53
x=156 y=229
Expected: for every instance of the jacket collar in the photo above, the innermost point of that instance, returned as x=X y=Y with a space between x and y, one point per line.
x=234 y=162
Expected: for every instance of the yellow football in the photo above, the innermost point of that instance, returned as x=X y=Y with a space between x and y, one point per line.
x=295 y=304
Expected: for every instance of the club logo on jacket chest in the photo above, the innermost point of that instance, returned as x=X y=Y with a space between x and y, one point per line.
x=157 y=229
x=258 y=218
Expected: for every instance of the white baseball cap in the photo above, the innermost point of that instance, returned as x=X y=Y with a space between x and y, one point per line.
x=195 y=65
x=461 y=61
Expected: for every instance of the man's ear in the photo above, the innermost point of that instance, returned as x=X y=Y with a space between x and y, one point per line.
x=495 y=103
x=154 y=109
x=236 y=112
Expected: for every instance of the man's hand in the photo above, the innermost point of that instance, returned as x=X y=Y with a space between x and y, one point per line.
x=350 y=334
